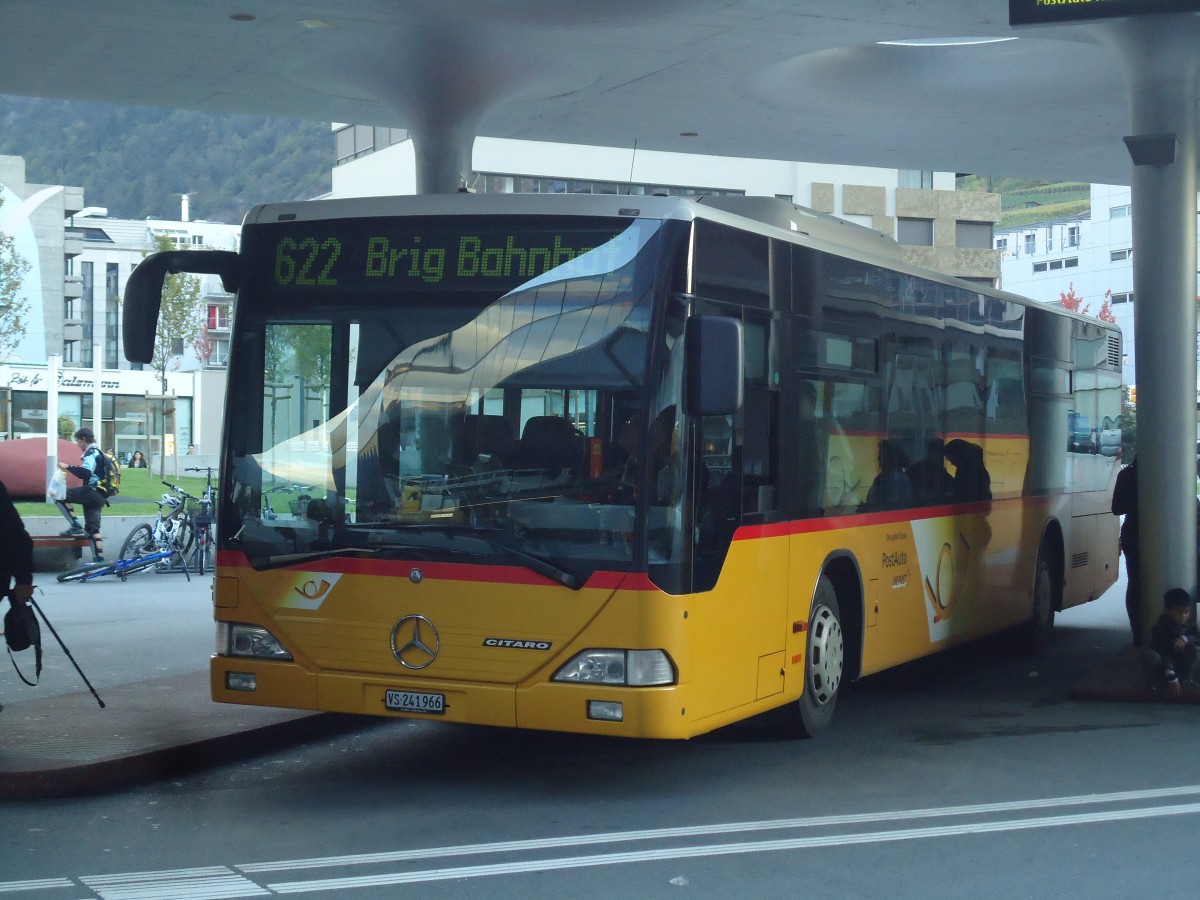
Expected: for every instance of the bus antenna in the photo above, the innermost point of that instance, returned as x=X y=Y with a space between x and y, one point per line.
x=632 y=160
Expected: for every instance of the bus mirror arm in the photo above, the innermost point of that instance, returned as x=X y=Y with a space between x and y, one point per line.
x=713 y=368
x=143 y=292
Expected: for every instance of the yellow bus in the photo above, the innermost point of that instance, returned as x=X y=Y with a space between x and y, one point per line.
x=636 y=466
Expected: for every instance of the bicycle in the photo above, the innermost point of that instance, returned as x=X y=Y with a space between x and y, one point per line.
x=171 y=529
x=123 y=568
x=204 y=520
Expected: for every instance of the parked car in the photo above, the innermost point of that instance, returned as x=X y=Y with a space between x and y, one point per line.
x=1081 y=437
x=1110 y=436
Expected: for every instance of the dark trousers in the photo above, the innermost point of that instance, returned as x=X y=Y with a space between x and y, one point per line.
x=1133 y=591
x=92 y=503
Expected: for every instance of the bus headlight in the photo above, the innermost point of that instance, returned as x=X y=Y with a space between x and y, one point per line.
x=632 y=668
x=238 y=639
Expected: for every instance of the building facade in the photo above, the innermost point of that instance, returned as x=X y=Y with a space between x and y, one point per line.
x=80 y=259
x=1086 y=259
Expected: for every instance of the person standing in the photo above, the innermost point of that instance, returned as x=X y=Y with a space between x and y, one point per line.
x=16 y=554
x=1125 y=503
x=88 y=494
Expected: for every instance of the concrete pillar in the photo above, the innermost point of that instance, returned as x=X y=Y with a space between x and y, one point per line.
x=53 y=368
x=98 y=393
x=1159 y=55
x=443 y=157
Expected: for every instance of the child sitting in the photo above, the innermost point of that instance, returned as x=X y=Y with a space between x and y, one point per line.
x=1171 y=660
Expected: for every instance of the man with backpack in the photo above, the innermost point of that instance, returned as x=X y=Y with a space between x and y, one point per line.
x=95 y=472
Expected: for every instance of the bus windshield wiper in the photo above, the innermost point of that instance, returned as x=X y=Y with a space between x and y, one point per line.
x=537 y=564
x=492 y=539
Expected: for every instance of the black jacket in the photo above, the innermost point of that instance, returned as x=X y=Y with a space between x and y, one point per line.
x=16 y=546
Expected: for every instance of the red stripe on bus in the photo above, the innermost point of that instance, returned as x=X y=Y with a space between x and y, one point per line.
x=469 y=572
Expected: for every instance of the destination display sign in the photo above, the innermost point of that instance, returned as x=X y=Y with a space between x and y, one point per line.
x=417 y=254
x=1046 y=12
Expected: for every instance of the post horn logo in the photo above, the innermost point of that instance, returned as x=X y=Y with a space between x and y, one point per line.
x=415 y=642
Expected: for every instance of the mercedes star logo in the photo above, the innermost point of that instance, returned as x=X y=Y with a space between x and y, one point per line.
x=415 y=642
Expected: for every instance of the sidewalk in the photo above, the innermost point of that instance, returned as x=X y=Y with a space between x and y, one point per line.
x=157 y=728
x=144 y=645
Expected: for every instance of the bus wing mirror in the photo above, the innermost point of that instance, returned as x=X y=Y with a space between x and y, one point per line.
x=143 y=292
x=714 y=365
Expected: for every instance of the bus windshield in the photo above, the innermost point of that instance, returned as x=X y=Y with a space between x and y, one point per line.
x=481 y=391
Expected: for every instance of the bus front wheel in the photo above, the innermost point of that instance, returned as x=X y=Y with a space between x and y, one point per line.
x=824 y=666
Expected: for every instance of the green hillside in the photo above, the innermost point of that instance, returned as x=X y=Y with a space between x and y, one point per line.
x=136 y=161
x=1025 y=202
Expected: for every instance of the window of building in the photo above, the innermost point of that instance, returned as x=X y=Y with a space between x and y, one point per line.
x=218 y=317
x=1002 y=243
x=915 y=232
x=921 y=179
x=1056 y=264
x=495 y=183
x=1071 y=262
x=1049 y=240
x=1072 y=236
x=975 y=235
x=1039 y=267
x=1122 y=298
x=1119 y=212
x=1030 y=242
x=1118 y=255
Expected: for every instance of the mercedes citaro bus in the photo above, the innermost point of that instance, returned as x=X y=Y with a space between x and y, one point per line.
x=620 y=465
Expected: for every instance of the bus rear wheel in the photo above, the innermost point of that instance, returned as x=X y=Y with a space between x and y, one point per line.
x=824 y=667
x=1034 y=635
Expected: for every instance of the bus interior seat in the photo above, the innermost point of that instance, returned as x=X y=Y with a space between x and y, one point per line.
x=550 y=442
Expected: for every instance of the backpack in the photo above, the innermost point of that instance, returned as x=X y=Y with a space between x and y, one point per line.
x=107 y=474
x=21 y=631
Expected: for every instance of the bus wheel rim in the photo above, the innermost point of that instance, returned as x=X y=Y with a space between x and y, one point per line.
x=826 y=656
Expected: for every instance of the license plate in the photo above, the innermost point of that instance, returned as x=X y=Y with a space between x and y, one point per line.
x=414 y=701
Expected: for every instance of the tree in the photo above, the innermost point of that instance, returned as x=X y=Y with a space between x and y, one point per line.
x=180 y=318
x=1106 y=314
x=1070 y=300
x=13 y=308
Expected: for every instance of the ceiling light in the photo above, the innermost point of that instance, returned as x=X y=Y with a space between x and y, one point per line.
x=313 y=23
x=947 y=42
x=689 y=134
x=242 y=17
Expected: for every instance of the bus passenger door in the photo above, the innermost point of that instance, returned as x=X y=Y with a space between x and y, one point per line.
x=737 y=623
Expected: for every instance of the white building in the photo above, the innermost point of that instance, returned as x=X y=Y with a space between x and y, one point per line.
x=80 y=260
x=1091 y=255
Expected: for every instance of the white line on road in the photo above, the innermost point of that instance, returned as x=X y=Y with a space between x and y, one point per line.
x=610 y=859
x=655 y=834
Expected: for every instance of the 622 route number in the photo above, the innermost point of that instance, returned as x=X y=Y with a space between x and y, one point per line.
x=306 y=263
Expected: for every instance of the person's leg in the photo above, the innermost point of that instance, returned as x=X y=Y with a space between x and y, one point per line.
x=1133 y=594
x=93 y=504
x=75 y=495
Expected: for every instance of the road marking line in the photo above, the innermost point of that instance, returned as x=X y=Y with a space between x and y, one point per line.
x=35 y=884
x=201 y=883
x=724 y=828
x=609 y=859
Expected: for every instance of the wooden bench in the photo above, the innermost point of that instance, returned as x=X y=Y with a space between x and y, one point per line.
x=60 y=542
x=55 y=553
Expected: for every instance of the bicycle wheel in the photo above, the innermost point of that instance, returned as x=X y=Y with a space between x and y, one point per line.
x=139 y=542
x=127 y=567
x=87 y=572
x=185 y=535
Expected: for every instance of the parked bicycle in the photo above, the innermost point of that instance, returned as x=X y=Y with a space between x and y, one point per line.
x=203 y=518
x=172 y=529
x=123 y=568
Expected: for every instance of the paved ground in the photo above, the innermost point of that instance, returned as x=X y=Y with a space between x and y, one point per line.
x=144 y=645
